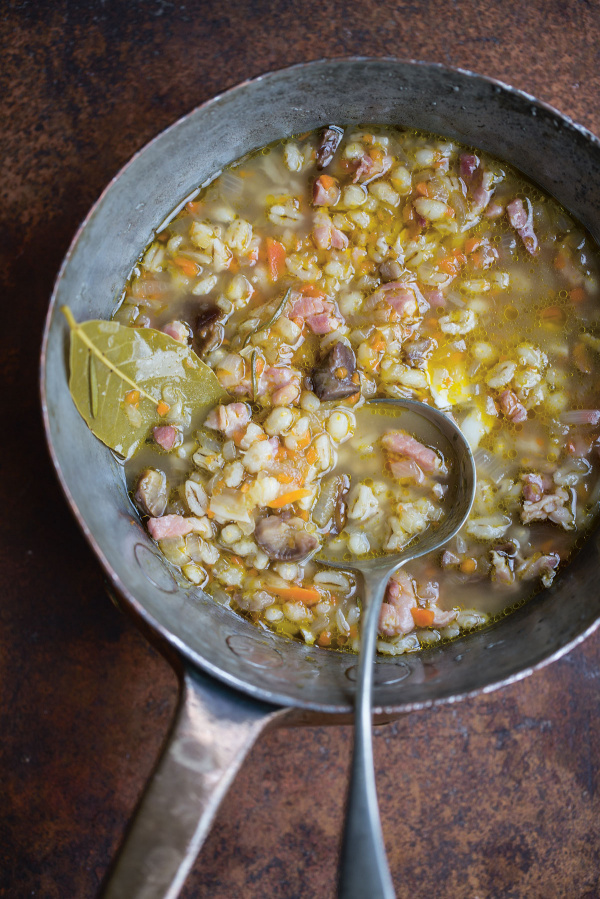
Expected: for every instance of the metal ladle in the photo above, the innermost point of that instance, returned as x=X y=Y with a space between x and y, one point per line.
x=364 y=870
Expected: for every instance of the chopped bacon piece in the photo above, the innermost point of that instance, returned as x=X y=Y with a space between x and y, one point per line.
x=579 y=446
x=405 y=445
x=326 y=191
x=406 y=469
x=404 y=298
x=395 y=617
x=364 y=167
x=449 y=559
x=442 y=618
x=166 y=436
x=285 y=384
x=539 y=565
x=557 y=507
x=522 y=222
x=468 y=165
x=372 y=167
x=502 y=568
x=339 y=241
x=494 y=210
x=322 y=323
x=484 y=255
x=318 y=312
x=482 y=192
x=511 y=406
x=177 y=330
x=326 y=235
x=435 y=298
x=170 y=526
x=321 y=236
x=477 y=180
x=533 y=487
x=228 y=419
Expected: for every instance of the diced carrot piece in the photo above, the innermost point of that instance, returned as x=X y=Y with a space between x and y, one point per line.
x=471 y=244
x=162 y=408
x=285 y=479
x=552 y=314
x=468 y=566
x=303 y=514
x=327 y=181
x=132 y=397
x=452 y=264
x=276 y=258
x=309 y=290
x=324 y=638
x=307 y=595
x=577 y=295
x=582 y=358
x=187 y=266
x=303 y=441
x=560 y=260
x=311 y=455
x=422 y=189
x=377 y=341
x=291 y=497
x=422 y=617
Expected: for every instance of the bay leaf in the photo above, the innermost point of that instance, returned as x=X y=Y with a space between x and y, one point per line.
x=109 y=362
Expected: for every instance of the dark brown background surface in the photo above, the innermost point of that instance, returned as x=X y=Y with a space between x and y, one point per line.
x=495 y=797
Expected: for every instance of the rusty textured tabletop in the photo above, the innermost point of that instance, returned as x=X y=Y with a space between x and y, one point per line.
x=494 y=797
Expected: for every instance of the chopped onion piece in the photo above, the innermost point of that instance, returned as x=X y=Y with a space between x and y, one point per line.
x=581 y=417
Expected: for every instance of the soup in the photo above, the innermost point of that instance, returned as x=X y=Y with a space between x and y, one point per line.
x=341 y=266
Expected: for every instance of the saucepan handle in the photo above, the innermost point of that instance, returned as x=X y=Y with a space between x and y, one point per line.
x=214 y=728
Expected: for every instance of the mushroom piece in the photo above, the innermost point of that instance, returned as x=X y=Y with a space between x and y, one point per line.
x=416 y=352
x=390 y=270
x=151 y=492
x=284 y=541
x=331 y=509
x=208 y=330
x=330 y=141
x=334 y=378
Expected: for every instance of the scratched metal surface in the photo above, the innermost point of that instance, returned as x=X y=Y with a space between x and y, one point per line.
x=494 y=797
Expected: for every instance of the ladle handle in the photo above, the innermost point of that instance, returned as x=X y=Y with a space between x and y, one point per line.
x=213 y=730
x=364 y=871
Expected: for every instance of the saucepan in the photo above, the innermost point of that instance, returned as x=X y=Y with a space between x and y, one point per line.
x=235 y=679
